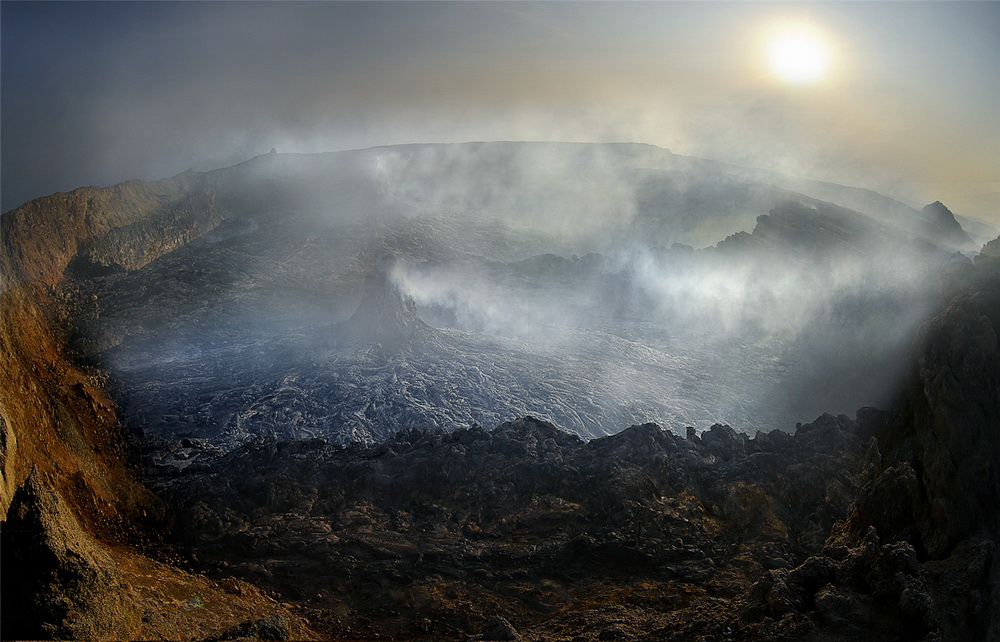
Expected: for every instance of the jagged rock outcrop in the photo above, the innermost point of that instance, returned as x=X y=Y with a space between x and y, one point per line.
x=916 y=556
x=935 y=482
x=274 y=627
x=497 y=628
x=58 y=583
x=806 y=228
x=990 y=251
x=950 y=229
x=94 y=230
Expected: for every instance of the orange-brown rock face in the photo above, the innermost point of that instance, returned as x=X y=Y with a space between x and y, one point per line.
x=54 y=414
x=71 y=569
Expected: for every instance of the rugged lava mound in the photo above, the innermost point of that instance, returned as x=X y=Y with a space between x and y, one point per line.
x=430 y=534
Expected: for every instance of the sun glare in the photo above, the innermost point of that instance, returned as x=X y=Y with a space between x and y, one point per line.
x=798 y=55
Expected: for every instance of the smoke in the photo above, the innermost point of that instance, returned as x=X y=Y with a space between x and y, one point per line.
x=595 y=285
x=467 y=298
x=565 y=192
x=814 y=311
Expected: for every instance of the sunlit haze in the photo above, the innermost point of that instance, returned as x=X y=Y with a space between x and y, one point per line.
x=798 y=55
x=902 y=98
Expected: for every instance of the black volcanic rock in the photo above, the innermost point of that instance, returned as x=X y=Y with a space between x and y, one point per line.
x=270 y=628
x=916 y=555
x=947 y=429
x=948 y=433
x=497 y=629
x=807 y=229
x=521 y=517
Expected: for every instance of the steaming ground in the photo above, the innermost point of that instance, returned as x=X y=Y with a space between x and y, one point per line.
x=352 y=295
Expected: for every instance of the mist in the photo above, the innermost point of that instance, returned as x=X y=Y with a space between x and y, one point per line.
x=351 y=295
x=836 y=315
x=100 y=93
x=706 y=242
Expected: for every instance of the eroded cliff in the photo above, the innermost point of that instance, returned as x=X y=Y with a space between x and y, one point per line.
x=76 y=528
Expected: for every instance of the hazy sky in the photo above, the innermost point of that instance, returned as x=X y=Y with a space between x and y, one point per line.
x=97 y=93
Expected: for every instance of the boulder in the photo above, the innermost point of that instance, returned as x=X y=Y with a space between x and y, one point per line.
x=58 y=580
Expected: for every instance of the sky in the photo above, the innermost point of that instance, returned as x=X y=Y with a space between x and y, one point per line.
x=97 y=93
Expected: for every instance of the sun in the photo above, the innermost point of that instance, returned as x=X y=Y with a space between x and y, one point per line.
x=799 y=55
